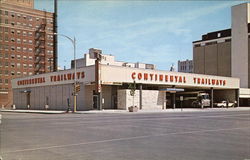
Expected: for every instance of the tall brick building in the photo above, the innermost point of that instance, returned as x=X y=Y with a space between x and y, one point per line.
x=26 y=43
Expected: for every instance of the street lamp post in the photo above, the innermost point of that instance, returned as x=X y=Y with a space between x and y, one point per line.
x=74 y=46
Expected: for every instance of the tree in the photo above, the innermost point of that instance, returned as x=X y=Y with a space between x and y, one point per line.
x=132 y=88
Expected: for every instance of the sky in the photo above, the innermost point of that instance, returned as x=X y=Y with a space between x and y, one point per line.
x=158 y=32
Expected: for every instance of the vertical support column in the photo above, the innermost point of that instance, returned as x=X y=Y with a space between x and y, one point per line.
x=212 y=97
x=140 y=86
x=173 y=98
x=174 y=101
x=98 y=79
x=237 y=97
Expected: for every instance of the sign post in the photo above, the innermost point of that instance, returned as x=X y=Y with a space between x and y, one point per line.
x=181 y=99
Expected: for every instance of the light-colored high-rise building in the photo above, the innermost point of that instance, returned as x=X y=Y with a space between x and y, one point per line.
x=26 y=43
x=240 y=44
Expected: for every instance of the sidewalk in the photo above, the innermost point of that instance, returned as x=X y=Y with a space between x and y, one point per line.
x=178 y=110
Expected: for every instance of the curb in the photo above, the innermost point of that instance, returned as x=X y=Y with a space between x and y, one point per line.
x=34 y=111
x=127 y=112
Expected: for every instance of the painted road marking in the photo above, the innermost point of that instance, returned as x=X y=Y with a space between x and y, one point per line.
x=123 y=139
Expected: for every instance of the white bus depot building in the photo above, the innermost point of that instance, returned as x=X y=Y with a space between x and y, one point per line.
x=107 y=82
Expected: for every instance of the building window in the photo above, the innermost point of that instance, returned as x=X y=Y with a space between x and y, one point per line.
x=18 y=57
x=18 y=40
x=6 y=38
x=6 y=56
x=18 y=32
x=30 y=18
x=6 y=72
x=6 y=21
x=30 y=66
x=6 y=64
x=24 y=65
x=24 y=33
x=30 y=34
x=6 y=47
x=6 y=13
x=30 y=41
x=197 y=45
x=6 y=81
x=12 y=31
x=30 y=58
x=211 y=43
x=18 y=49
x=24 y=49
x=24 y=57
x=12 y=73
x=18 y=65
x=30 y=73
x=18 y=73
x=12 y=39
x=6 y=30
x=12 y=56
x=24 y=73
x=219 y=35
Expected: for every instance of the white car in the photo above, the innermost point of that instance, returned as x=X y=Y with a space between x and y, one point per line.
x=224 y=104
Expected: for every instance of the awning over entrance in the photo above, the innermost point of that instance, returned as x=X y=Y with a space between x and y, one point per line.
x=172 y=89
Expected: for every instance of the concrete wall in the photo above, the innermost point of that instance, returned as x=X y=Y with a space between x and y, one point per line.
x=213 y=59
x=151 y=99
x=211 y=63
x=224 y=59
x=198 y=59
x=57 y=97
x=240 y=22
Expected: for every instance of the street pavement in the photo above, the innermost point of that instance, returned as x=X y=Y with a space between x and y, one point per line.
x=221 y=135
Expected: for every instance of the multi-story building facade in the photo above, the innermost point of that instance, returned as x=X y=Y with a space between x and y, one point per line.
x=185 y=66
x=227 y=52
x=26 y=43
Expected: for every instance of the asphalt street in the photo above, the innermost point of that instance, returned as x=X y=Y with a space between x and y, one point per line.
x=148 y=136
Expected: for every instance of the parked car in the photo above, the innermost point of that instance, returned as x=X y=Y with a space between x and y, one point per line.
x=223 y=104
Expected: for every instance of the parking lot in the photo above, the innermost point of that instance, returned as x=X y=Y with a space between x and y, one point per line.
x=146 y=136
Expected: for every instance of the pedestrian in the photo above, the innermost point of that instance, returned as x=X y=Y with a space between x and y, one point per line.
x=227 y=103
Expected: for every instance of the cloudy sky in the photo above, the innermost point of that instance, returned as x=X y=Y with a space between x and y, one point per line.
x=158 y=32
